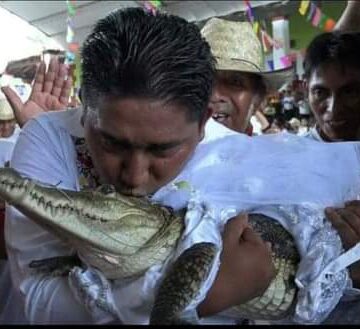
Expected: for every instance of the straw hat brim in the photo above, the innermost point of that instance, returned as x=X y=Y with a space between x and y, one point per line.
x=274 y=80
x=278 y=78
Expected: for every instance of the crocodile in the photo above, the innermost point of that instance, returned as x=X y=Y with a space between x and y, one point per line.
x=124 y=236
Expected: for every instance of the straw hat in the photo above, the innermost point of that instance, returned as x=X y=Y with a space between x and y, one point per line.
x=237 y=48
x=6 y=112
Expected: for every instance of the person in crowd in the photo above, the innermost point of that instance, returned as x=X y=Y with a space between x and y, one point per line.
x=288 y=105
x=304 y=108
x=333 y=83
x=50 y=84
x=49 y=91
x=278 y=125
x=241 y=82
x=297 y=84
x=9 y=132
x=304 y=127
x=270 y=109
x=332 y=72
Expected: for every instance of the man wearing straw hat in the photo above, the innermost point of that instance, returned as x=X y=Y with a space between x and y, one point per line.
x=8 y=128
x=9 y=132
x=241 y=82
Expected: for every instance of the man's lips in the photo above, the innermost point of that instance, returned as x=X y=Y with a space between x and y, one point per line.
x=220 y=115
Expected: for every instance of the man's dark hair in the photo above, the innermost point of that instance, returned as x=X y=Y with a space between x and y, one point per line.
x=340 y=48
x=132 y=53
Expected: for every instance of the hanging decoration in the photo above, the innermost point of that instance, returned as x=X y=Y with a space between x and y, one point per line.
x=267 y=41
x=72 y=47
x=286 y=61
x=316 y=16
x=271 y=64
x=304 y=5
x=71 y=57
x=311 y=12
x=152 y=6
x=289 y=59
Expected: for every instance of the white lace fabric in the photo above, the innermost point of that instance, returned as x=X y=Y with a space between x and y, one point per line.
x=286 y=177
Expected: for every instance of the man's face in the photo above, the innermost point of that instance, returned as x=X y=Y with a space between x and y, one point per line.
x=140 y=145
x=234 y=99
x=7 y=128
x=334 y=98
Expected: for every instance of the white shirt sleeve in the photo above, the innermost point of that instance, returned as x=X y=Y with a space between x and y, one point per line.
x=46 y=155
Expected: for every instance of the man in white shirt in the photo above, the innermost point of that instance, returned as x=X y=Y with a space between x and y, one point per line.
x=9 y=132
x=241 y=81
x=332 y=71
x=134 y=150
x=129 y=153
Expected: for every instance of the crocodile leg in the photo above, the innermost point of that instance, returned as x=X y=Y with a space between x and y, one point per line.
x=55 y=266
x=182 y=283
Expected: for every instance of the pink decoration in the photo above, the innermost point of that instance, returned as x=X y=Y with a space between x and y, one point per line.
x=317 y=17
x=285 y=61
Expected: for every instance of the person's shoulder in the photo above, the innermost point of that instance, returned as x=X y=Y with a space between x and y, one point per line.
x=68 y=120
x=58 y=117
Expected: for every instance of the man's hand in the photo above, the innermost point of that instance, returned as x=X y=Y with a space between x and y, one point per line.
x=50 y=92
x=347 y=222
x=245 y=272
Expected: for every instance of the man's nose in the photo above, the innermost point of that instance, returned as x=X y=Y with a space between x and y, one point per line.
x=218 y=96
x=135 y=169
x=335 y=105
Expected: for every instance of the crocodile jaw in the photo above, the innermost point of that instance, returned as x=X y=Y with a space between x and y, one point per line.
x=114 y=225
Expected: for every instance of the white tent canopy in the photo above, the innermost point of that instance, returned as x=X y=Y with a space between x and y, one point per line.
x=50 y=16
x=19 y=39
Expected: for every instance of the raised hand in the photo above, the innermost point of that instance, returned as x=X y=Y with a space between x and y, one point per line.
x=50 y=92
